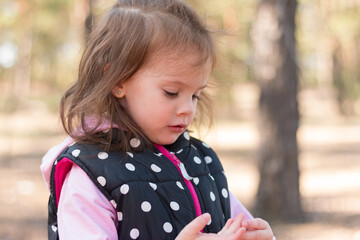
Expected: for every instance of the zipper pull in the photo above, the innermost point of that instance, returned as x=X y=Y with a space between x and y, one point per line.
x=184 y=172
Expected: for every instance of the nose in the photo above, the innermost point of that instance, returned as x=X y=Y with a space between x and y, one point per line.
x=186 y=107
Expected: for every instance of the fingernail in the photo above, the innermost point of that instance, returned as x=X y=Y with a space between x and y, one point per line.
x=206 y=215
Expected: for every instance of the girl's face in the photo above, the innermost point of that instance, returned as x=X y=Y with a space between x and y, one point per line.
x=161 y=96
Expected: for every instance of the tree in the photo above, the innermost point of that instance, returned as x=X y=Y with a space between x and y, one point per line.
x=89 y=5
x=275 y=69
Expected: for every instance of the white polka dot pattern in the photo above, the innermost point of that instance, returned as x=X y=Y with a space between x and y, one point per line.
x=205 y=145
x=158 y=154
x=212 y=178
x=134 y=233
x=130 y=167
x=168 y=227
x=180 y=151
x=124 y=189
x=54 y=228
x=146 y=206
x=113 y=203
x=135 y=142
x=212 y=196
x=153 y=185
x=103 y=155
x=179 y=185
x=225 y=193
x=75 y=152
x=208 y=159
x=101 y=180
x=197 y=160
x=196 y=180
x=186 y=136
x=155 y=168
x=174 y=206
x=120 y=216
x=209 y=222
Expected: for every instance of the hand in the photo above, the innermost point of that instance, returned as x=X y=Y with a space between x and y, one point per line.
x=257 y=229
x=231 y=231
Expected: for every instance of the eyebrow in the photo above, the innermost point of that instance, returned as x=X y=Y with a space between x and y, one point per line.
x=184 y=84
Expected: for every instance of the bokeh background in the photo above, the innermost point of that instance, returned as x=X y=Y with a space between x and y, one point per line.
x=41 y=42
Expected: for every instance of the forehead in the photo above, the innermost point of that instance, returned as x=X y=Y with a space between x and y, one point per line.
x=173 y=62
x=170 y=68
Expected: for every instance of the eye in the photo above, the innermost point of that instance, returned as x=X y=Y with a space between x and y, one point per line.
x=196 y=97
x=171 y=94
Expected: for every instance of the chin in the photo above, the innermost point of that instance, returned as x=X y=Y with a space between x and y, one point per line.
x=167 y=141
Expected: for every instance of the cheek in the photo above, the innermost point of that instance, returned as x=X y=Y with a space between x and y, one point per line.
x=148 y=109
x=193 y=115
x=133 y=106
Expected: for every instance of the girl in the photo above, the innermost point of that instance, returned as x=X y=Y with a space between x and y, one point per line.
x=129 y=169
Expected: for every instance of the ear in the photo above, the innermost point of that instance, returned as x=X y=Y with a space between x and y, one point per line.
x=118 y=92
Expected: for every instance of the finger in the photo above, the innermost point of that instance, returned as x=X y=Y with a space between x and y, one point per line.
x=256 y=223
x=257 y=234
x=227 y=225
x=229 y=235
x=237 y=223
x=240 y=232
x=194 y=227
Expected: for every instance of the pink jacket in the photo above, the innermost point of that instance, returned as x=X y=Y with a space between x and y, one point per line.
x=83 y=206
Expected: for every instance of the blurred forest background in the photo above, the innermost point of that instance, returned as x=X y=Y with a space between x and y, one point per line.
x=41 y=42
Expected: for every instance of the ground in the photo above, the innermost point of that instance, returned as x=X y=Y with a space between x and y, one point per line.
x=329 y=162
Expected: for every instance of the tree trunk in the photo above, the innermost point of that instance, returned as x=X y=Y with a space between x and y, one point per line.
x=89 y=18
x=275 y=69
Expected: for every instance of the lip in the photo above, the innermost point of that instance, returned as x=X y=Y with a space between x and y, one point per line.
x=177 y=128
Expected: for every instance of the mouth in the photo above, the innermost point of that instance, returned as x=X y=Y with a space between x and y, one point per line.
x=178 y=128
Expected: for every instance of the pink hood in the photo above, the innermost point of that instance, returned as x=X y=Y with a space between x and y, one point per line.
x=50 y=157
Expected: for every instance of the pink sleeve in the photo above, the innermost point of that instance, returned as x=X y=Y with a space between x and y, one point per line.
x=236 y=207
x=83 y=211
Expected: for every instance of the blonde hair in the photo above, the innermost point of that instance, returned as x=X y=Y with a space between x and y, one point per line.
x=130 y=32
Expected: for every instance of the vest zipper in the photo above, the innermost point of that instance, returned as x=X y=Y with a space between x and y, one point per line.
x=186 y=177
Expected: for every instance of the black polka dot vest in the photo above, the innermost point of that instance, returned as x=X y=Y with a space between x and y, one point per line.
x=153 y=195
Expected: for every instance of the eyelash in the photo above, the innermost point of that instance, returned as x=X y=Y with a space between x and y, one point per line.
x=171 y=94
x=175 y=94
x=196 y=97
